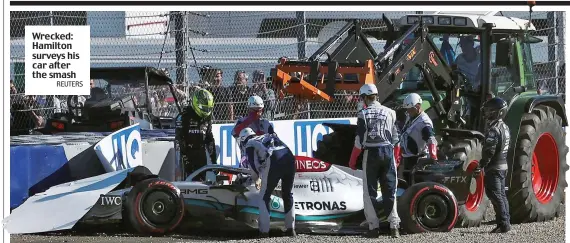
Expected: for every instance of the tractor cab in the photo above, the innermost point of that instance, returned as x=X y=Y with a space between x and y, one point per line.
x=492 y=53
x=458 y=37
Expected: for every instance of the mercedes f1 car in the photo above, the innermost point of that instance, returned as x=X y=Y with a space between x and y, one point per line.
x=328 y=199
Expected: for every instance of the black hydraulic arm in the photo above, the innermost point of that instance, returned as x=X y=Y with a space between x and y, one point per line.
x=354 y=46
x=397 y=60
x=329 y=44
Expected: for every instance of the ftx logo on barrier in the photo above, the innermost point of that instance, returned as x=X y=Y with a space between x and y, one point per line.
x=307 y=133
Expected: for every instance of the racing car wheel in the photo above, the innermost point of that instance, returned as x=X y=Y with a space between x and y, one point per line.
x=427 y=207
x=154 y=207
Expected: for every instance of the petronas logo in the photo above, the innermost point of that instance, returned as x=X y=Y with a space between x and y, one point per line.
x=274 y=203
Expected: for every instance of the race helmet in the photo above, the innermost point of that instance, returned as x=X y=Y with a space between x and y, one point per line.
x=412 y=100
x=368 y=89
x=255 y=102
x=202 y=102
x=494 y=109
x=244 y=135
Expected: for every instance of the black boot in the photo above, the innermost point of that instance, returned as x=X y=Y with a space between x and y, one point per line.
x=395 y=233
x=373 y=233
x=290 y=233
x=263 y=235
x=501 y=229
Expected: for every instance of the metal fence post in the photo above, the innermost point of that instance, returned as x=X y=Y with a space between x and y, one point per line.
x=552 y=63
x=179 y=26
x=559 y=28
x=301 y=34
x=301 y=44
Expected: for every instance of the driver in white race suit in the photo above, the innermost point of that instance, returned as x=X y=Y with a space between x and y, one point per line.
x=254 y=121
x=376 y=135
x=272 y=160
x=418 y=138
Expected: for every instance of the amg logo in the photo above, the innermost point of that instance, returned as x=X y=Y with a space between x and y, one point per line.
x=195 y=191
x=455 y=179
x=111 y=200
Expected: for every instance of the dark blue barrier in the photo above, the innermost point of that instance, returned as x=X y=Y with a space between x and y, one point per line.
x=30 y=165
x=36 y=168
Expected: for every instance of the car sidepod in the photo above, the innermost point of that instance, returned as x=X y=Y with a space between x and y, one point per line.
x=107 y=209
x=326 y=197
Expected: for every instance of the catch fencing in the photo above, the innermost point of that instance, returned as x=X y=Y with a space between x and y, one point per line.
x=231 y=53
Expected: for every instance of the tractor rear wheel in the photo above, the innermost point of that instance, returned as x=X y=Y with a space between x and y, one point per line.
x=472 y=212
x=539 y=168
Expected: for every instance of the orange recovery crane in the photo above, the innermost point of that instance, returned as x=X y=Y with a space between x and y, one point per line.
x=286 y=80
x=355 y=63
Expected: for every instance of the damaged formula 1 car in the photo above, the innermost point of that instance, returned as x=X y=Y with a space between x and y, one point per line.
x=328 y=199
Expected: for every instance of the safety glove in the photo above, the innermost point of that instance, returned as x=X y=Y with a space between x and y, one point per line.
x=432 y=151
x=353 y=157
x=397 y=155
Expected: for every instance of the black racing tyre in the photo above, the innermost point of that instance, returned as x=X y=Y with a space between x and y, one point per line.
x=154 y=207
x=472 y=212
x=427 y=207
x=538 y=172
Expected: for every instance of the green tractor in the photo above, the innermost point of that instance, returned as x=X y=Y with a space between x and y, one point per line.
x=537 y=157
x=423 y=46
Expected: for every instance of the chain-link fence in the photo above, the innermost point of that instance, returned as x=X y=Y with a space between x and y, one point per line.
x=231 y=53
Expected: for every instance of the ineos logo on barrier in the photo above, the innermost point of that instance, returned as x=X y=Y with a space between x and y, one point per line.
x=307 y=133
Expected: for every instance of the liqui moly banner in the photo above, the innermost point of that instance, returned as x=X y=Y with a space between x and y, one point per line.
x=121 y=149
x=300 y=135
